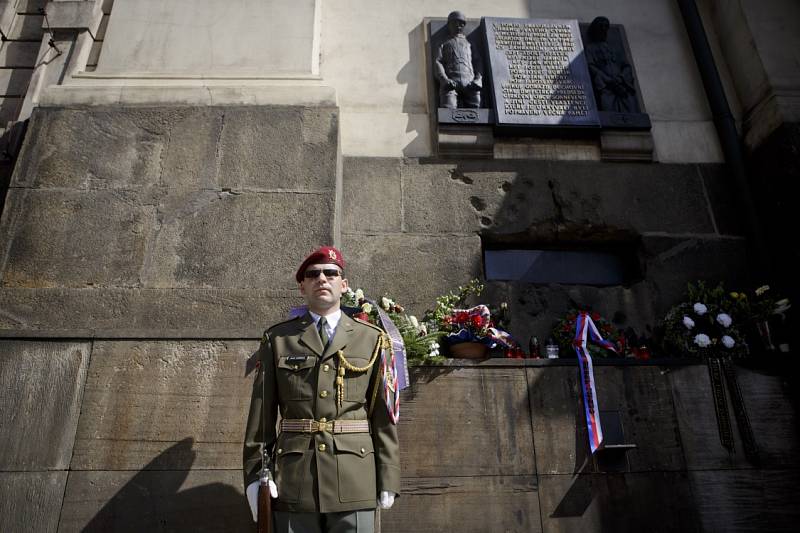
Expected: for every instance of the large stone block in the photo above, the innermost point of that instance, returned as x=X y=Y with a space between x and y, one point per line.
x=414 y=269
x=142 y=398
x=468 y=504
x=31 y=501
x=180 y=239
x=287 y=148
x=95 y=148
x=658 y=501
x=372 y=195
x=41 y=384
x=147 y=313
x=71 y=238
x=640 y=396
x=672 y=261
x=555 y=200
x=181 y=500
x=771 y=414
x=747 y=500
x=466 y=422
x=221 y=239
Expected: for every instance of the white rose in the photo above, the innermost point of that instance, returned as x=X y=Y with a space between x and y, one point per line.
x=414 y=321
x=702 y=340
x=688 y=322
x=359 y=294
x=724 y=319
x=728 y=341
x=367 y=308
x=700 y=309
x=349 y=292
x=386 y=303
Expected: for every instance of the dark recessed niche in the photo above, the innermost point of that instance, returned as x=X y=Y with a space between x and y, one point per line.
x=571 y=266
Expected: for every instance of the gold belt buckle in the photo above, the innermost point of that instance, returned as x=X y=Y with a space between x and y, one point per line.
x=319 y=427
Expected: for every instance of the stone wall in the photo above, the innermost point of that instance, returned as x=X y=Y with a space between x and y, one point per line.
x=416 y=228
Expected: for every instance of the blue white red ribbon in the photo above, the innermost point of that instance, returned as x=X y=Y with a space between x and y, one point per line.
x=586 y=330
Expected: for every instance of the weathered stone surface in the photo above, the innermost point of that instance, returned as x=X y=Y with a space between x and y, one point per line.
x=182 y=500
x=31 y=501
x=670 y=262
x=41 y=384
x=250 y=147
x=466 y=422
x=534 y=308
x=75 y=238
x=147 y=313
x=194 y=239
x=659 y=501
x=279 y=148
x=772 y=417
x=256 y=240
x=372 y=196
x=142 y=398
x=511 y=197
x=479 y=504
x=414 y=269
x=63 y=145
x=640 y=396
x=747 y=500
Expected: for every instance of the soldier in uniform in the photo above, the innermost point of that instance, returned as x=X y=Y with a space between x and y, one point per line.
x=336 y=456
x=458 y=68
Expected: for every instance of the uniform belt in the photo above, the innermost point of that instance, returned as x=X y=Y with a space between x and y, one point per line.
x=306 y=425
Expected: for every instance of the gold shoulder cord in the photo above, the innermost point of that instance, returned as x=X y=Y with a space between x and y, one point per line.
x=345 y=365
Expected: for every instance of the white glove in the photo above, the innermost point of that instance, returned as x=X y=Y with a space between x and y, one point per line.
x=252 y=496
x=387 y=499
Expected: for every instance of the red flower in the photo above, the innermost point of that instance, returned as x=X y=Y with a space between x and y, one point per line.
x=362 y=316
x=595 y=316
x=477 y=321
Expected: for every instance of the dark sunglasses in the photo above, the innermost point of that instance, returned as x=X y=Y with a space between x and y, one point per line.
x=313 y=273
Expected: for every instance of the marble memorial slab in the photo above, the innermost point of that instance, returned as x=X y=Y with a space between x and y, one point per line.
x=539 y=74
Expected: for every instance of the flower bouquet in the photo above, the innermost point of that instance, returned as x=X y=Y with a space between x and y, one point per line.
x=703 y=326
x=471 y=332
x=421 y=345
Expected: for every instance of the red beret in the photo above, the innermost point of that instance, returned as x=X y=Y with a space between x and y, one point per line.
x=322 y=256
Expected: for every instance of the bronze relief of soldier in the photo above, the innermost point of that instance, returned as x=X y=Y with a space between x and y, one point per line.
x=336 y=455
x=458 y=67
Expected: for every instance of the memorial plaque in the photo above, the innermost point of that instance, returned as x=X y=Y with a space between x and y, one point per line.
x=539 y=74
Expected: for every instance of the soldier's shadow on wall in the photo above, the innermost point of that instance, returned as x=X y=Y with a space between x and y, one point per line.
x=413 y=76
x=154 y=500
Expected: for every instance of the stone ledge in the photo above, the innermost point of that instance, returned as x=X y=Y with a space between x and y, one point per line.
x=188 y=94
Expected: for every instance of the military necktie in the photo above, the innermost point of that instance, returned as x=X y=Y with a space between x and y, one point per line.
x=323 y=332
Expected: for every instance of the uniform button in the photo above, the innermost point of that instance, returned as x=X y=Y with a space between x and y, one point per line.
x=321 y=447
x=280 y=451
x=323 y=394
x=363 y=450
x=325 y=368
x=323 y=419
x=295 y=367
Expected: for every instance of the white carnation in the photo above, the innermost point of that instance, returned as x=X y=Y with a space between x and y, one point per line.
x=367 y=308
x=688 y=322
x=359 y=294
x=386 y=303
x=724 y=319
x=700 y=309
x=702 y=340
x=728 y=341
x=414 y=321
x=762 y=289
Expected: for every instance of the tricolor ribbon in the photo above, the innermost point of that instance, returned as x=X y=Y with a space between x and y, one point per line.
x=585 y=330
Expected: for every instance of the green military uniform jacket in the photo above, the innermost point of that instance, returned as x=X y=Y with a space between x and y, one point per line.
x=321 y=472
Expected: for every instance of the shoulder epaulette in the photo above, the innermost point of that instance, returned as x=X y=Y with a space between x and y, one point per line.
x=370 y=324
